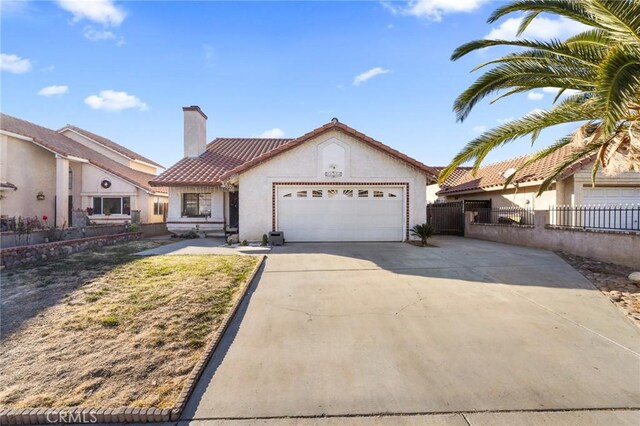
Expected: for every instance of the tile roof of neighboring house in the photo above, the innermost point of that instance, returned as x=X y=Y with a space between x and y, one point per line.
x=490 y=176
x=66 y=147
x=226 y=157
x=112 y=145
x=453 y=177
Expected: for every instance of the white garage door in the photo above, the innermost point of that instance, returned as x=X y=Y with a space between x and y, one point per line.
x=611 y=196
x=342 y=213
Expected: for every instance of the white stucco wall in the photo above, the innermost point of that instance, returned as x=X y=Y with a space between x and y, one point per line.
x=176 y=223
x=112 y=154
x=525 y=196
x=363 y=164
x=32 y=169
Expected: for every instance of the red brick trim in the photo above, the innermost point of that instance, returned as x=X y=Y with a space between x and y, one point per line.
x=405 y=184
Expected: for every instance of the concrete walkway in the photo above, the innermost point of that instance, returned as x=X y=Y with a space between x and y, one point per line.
x=484 y=331
x=202 y=246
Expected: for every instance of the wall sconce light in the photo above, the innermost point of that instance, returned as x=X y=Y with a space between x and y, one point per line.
x=40 y=196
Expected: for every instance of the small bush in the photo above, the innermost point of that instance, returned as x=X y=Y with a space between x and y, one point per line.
x=423 y=231
x=265 y=240
x=229 y=241
x=244 y=243
x=134 y=227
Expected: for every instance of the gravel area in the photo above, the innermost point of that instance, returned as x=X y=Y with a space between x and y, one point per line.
x=612 y=280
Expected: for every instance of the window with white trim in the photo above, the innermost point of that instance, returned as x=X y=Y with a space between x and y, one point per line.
x=112 y=205
x=196 y=204
x=159 y=206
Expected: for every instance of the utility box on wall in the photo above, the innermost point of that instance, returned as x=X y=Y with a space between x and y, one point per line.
x=276 y=238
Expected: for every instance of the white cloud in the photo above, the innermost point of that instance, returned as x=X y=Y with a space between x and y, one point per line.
x=539 y=28
x=103 y=12
x=554 y=91
x=433 y=9
x=92 y=34
x=14 y=64
x=272 y=133
x=479 y=129
x=362 y=77
x=535 y=96
x=110 y=100
x=53 y=90
x=504 y=120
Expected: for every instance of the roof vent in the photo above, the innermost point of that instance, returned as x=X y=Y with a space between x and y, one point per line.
x=334 y=120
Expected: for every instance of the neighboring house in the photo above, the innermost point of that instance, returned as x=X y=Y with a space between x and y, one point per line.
x=572 y=187
x=434 y=188
x=50 y=173
x=331 y=184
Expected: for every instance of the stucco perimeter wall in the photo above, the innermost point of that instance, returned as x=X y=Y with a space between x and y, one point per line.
x=363 y=164
x=608 y=246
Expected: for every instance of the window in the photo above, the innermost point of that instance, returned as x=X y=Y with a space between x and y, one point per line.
x=196 y=205
x=287 y=195
x=392 y=195
x=316 y=193
x=332 y=193
x=363 y=193
x=159 y=206
x=70 y=179
x=301 y=194
x=348 y=193
x=111 y=205
x=378 y=194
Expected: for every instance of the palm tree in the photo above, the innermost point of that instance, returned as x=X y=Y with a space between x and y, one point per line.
x=597 y=71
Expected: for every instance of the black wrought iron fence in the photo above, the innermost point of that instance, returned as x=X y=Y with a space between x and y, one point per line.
x=620 y=217
x=504 y=215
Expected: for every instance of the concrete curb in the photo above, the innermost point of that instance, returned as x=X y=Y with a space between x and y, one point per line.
x=34 y=416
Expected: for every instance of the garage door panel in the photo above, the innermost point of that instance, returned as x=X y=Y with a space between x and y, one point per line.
x=341 y=214
x=611 y=196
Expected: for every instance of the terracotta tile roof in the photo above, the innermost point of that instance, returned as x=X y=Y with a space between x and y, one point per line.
x=225 y=157
x=490 y=176
x=222 y=155
x=453 y=177
x=65 y=147
x=112 y=145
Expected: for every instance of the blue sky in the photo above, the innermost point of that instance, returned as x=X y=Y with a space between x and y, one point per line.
x=124 y=70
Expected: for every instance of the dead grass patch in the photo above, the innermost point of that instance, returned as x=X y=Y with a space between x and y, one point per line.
x=118 y=330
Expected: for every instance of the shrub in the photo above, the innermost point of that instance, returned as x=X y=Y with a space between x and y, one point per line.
x=265 y=240
x=244 y=243
x=423 y=231
x=134 y=227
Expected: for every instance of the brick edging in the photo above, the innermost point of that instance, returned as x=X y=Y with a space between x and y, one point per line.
x=34 y=416
x=198 y=369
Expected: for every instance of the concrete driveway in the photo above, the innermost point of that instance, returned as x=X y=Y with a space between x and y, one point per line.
x=364 y=329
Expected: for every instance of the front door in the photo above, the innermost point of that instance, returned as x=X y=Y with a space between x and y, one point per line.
x=233 y=209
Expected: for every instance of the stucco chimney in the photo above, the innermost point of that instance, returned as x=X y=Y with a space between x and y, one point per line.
x=195 y=131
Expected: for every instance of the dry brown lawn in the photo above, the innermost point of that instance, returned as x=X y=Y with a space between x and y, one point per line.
x=109 y=329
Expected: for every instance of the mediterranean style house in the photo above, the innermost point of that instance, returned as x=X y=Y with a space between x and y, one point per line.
x=331 y=184
x=50 y=173
x=572 y=187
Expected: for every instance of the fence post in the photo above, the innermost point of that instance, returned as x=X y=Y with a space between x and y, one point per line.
x=540 y=218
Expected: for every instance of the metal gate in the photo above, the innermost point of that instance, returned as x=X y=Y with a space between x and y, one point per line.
x=448 y=217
